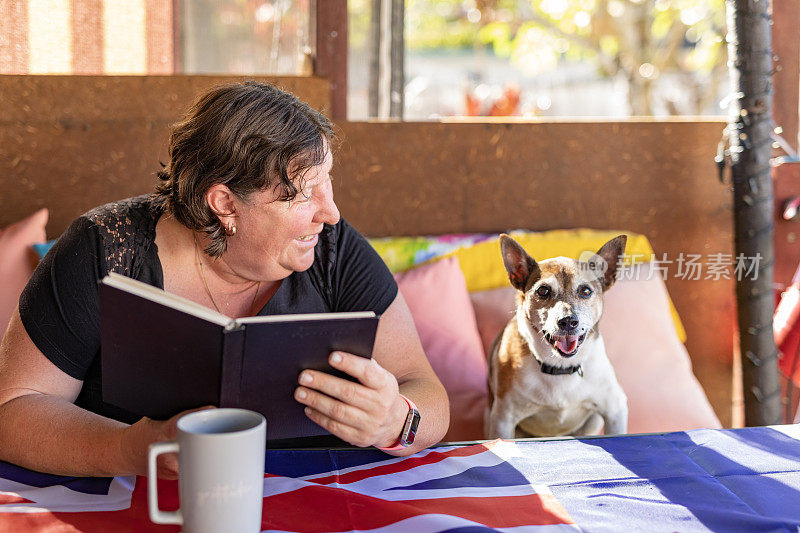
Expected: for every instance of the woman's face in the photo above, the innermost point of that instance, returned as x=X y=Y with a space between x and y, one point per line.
x=275 y=238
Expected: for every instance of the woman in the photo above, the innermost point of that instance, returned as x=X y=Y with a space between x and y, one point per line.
x=243 y=222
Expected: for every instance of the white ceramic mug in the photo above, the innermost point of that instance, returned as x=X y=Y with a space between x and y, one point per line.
x=221 y=471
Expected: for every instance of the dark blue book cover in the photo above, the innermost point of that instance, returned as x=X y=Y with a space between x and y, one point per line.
x=162 y=354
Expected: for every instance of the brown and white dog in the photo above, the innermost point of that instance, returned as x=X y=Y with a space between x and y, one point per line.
x=549 y=373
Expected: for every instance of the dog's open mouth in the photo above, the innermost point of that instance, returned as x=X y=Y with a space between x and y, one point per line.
x=566 y=345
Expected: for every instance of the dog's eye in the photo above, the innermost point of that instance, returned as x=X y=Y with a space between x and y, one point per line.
x=543 y=291
x=584 y=291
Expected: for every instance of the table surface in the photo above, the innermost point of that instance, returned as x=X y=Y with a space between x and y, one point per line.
x=702 y=480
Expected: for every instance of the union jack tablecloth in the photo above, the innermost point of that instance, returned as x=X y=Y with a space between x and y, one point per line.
x=703 y=480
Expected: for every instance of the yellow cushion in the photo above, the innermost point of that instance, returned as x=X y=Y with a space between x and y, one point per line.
x=481 y=262
x=483 y=266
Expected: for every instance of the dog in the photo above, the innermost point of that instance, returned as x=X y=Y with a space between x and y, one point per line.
x=549 y=374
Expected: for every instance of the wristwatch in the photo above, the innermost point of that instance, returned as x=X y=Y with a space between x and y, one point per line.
x=410 y=427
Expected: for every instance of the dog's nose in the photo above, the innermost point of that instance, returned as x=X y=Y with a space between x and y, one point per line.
x=568 y=323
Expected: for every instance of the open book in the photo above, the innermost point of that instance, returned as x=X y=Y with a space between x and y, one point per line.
x=162 y=354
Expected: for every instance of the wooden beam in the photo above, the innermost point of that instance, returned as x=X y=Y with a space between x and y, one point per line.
x=374 y=45
x=177 y=41
x=331 y=51
x=397 y=61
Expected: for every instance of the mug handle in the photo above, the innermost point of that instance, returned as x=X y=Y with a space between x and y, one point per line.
x=157 y=515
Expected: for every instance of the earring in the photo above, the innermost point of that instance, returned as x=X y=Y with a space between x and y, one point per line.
x=230 y=229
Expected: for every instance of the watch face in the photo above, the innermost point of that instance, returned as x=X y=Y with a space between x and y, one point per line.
x=410 y=428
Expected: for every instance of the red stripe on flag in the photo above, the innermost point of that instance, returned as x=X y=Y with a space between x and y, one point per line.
x=400 y=466
x=135 y=519
x=335 y=509
x=7 y=499
x=332 y=509
x=531 y=509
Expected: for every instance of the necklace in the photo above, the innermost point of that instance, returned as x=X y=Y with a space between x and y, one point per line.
x=205 y=283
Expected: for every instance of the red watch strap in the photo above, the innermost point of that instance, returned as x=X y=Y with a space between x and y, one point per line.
x=396 y=444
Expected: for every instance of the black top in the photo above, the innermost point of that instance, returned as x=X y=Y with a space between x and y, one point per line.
x=59 y=306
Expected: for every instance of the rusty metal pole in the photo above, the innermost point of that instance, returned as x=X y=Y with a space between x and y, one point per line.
x=750 y=145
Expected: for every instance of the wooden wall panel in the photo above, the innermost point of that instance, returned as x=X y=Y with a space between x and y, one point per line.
x=786 y=182
x=27 y=99
x=73 y=142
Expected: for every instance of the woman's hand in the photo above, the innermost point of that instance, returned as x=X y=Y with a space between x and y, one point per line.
x=136 y=440
x=368 y=413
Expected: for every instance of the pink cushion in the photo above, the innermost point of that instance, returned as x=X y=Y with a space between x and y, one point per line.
x=493 y=309
x=437 y=297
x=17 y=260
x=651 y=363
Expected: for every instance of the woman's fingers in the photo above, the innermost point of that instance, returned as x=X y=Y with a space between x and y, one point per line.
x=336 y=387
x=331 y=407
x=367 y=371
x=136 y=439
x=358 y=412
x=374 y=391
x=353 y=435
x=346 y=421
x=169 y=428
x=167 y=466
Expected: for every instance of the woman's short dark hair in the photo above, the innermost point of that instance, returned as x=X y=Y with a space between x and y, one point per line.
x=248 y=136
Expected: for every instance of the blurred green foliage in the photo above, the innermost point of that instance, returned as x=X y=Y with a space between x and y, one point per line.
x=639 y=39
x=586 y=28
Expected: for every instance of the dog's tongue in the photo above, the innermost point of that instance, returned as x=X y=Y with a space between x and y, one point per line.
x=567 y=344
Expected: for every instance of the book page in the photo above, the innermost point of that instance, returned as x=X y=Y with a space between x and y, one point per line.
x=304 y=316
x=154 y=294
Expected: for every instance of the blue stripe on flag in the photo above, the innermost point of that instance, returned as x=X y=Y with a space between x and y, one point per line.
x=679 y=478
x=468 y=529
x=87 y=485
x=755 y=464
x=502 y=475
x=720 y=453
x=294 y=463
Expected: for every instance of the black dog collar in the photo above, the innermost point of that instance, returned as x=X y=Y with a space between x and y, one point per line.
x=560 y=370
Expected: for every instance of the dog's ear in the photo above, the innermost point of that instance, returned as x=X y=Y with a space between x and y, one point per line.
x=612 y=253
x=519 y=265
